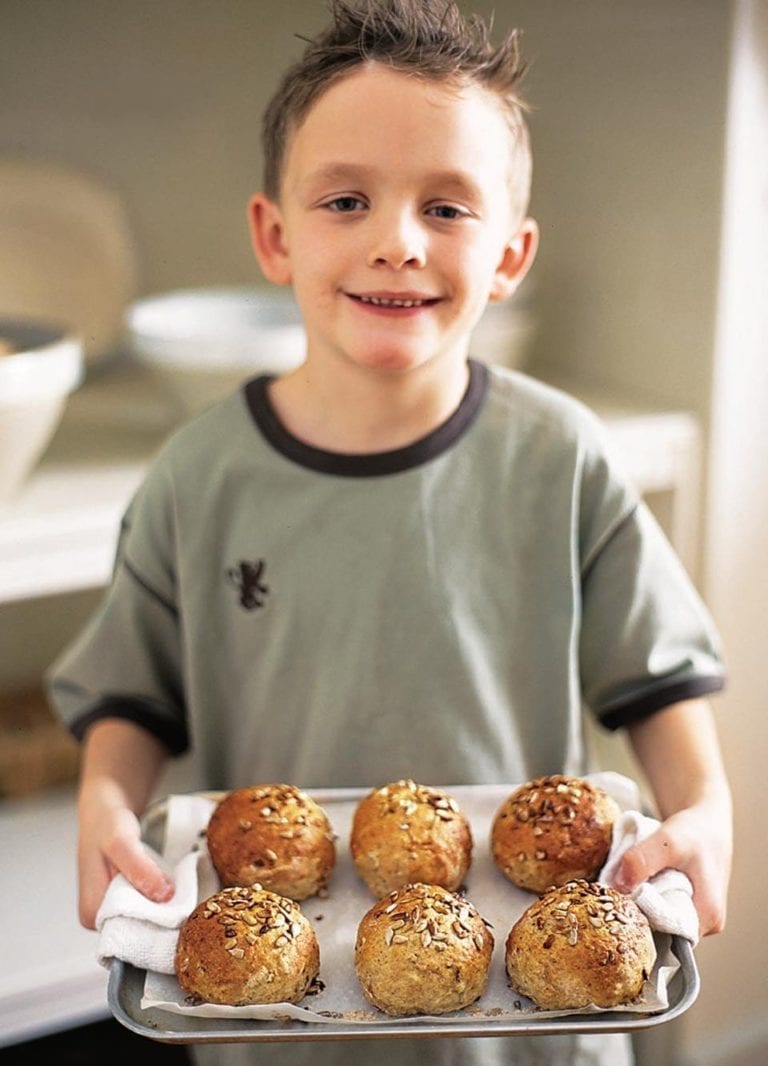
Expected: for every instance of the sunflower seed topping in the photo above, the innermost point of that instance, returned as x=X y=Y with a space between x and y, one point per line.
x=431 y=916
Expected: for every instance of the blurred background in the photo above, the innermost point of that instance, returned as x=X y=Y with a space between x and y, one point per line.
x=129 y=145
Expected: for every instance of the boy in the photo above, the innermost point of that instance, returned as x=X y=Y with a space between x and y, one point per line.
x=394 y=561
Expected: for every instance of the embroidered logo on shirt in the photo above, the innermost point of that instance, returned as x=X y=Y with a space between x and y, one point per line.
x=247 y=579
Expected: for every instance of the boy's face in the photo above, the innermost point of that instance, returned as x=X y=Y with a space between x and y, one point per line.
x=394 y=224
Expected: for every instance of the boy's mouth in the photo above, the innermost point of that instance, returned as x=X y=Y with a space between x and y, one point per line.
x=407 y=301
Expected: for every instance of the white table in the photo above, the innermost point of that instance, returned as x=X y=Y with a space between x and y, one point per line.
x=50 y=979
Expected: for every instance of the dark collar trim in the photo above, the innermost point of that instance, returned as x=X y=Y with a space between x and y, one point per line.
x=373 y=464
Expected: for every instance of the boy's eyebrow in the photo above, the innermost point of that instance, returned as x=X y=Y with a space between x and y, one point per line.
x=456 y=180
x=351 y=174
x=338 y=173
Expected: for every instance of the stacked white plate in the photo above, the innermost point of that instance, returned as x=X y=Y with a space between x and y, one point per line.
x=66 y=251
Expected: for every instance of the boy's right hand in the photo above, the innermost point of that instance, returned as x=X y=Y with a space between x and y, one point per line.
x=120 y=766
x=111 y=845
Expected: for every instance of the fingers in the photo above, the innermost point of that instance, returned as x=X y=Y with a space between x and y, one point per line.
x=119 y=849
x=642 y=861
x=142 y=872
x=710 y=909
x=709 y=876
x=125 y=851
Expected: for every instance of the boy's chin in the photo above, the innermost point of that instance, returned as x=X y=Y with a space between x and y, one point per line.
x=394 y=362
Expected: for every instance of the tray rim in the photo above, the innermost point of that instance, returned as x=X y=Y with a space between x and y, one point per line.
x=125 y=987
x=126 y=983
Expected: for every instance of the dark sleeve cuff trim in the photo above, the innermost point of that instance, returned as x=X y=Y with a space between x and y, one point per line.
x=692 y=688
x=141 y=712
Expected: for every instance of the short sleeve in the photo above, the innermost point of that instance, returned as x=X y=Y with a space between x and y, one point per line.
x=126 y=663
x=647 y=639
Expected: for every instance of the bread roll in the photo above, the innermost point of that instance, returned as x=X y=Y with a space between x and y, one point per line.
x=580 y=944
x=246 y=945
x=422 y=950
x=404 y=832
x=552 y=830
x=275 y=835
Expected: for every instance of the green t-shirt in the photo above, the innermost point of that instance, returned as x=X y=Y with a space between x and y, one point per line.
x=443 y=612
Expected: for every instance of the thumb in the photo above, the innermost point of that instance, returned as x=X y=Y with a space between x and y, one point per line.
x=128 y=855
x=642 y=861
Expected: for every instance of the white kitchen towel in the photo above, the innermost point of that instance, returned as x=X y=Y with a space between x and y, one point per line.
x=141 y=932
x=667 y=898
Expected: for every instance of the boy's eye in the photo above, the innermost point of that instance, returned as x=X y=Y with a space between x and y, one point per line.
x=445 y=211
x=345 y=204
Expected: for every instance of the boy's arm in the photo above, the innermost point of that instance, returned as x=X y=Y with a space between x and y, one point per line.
x=679 y=753
x=121 y=763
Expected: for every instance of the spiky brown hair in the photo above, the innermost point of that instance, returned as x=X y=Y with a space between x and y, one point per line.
x=429 y=38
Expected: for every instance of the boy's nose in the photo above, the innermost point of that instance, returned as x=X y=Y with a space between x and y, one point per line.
x=398 y=242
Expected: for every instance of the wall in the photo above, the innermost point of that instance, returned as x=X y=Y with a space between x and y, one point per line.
x=628 y=127
x=162 y=99
x=732 y=1019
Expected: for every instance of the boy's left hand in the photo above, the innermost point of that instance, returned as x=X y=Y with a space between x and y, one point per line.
x=678 y=749
x=697 y=842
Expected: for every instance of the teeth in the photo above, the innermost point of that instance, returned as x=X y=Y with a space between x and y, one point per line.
x=379 y=301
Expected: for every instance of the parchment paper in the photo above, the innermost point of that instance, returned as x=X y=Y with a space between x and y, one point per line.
x=336 y=918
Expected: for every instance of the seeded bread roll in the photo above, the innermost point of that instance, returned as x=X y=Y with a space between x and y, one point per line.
x=275 y=835
x=552 y=830
x=245 y=945
x=580 y=944
x=422 y=950
x=404 y=832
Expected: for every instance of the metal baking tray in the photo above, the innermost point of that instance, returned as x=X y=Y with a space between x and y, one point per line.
x=126 y=982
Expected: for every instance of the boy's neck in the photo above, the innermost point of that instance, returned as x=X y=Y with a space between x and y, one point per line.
x=363 y=412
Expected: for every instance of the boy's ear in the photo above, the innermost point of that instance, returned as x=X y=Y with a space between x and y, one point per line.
x=516 y=261
x=265 y=221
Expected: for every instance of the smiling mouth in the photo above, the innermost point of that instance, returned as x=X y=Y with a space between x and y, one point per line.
x=386 y=301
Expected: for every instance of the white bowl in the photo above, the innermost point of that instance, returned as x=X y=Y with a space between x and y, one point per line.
x=42 y=365
x=203 y=343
